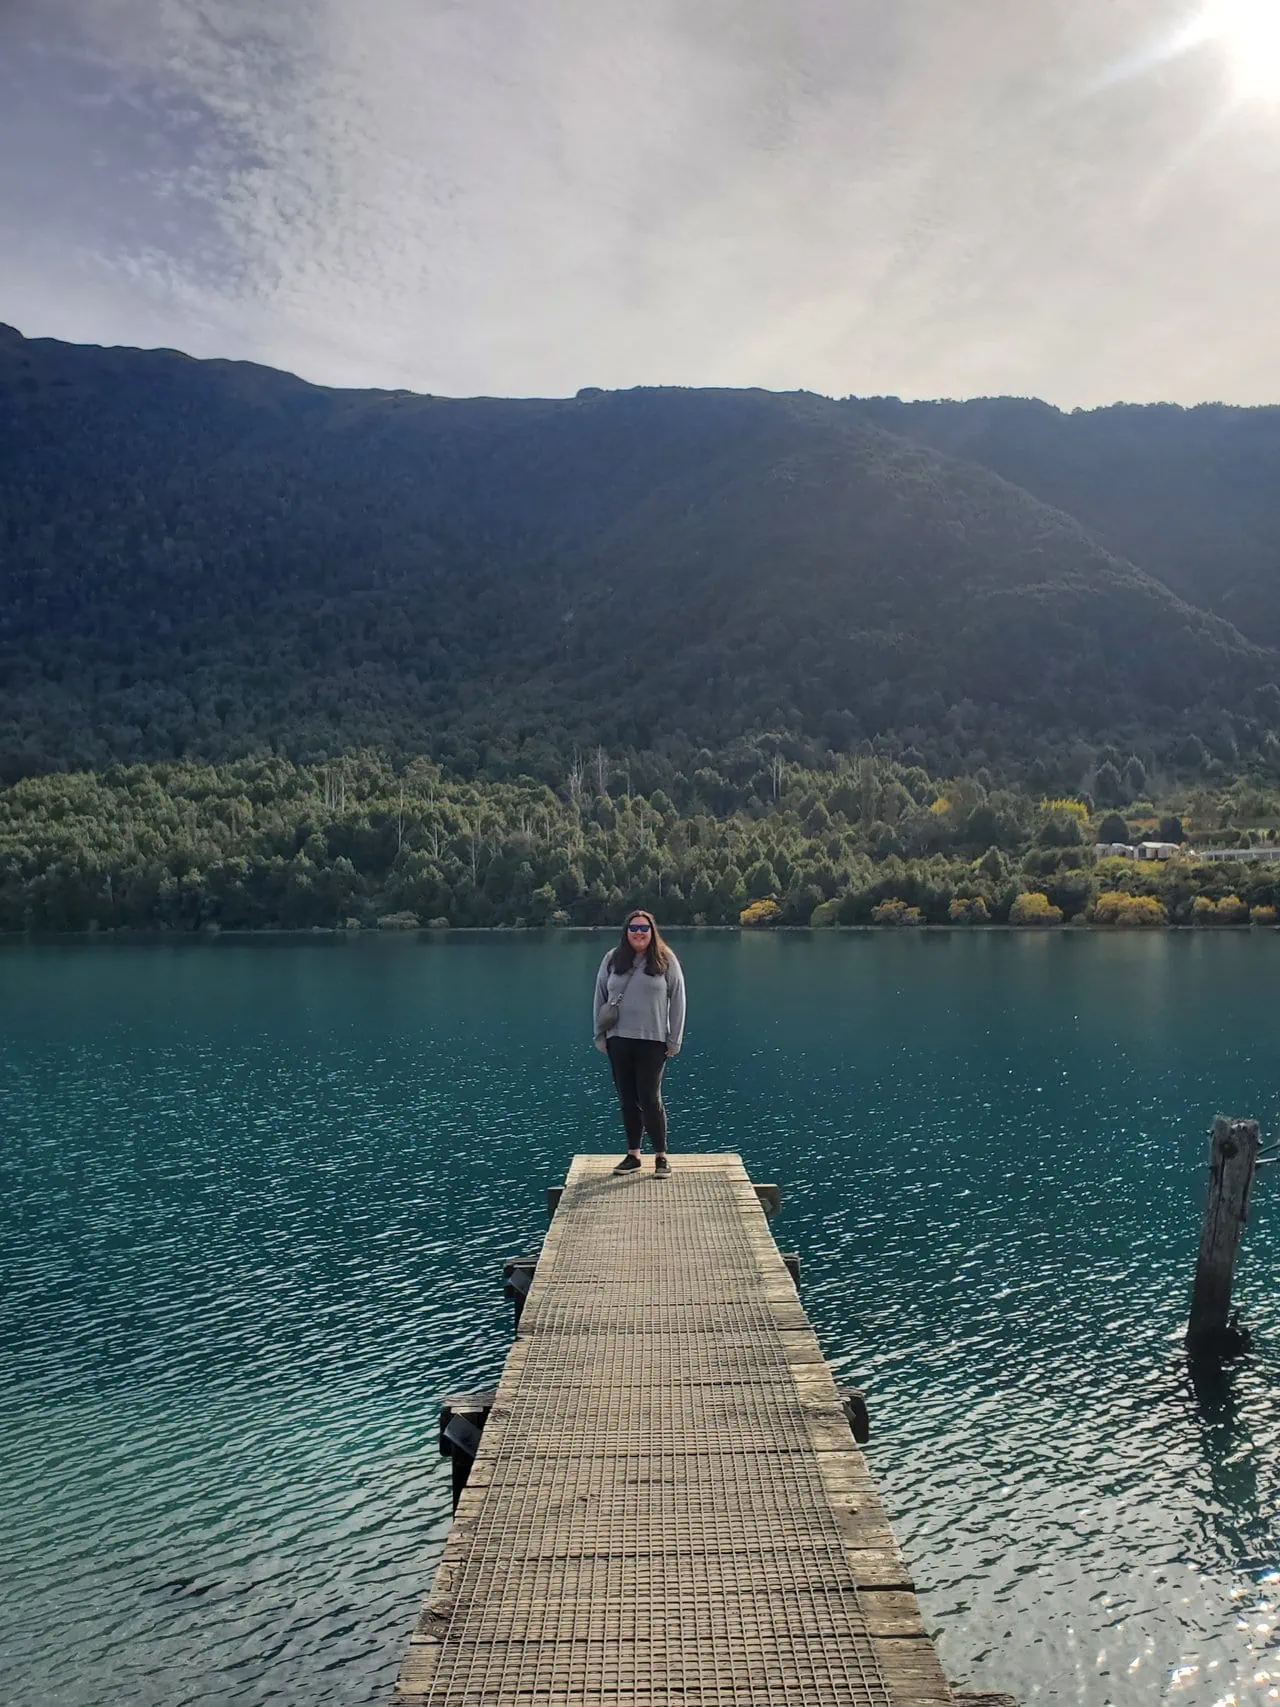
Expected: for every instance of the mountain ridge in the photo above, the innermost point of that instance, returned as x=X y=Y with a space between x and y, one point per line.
x=207 y=558
x=1188 y=492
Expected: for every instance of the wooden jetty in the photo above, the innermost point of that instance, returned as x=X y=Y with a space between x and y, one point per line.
x=666 y=1506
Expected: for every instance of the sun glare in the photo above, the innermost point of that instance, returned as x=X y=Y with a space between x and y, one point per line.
x=1249 y=30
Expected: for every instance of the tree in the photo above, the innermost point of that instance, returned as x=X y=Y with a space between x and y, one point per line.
x=1109 y=788
x=1135 y=778
x=1059 y=828
x=1117 y=907
x=1113 y=828
x=759 y=913
x=543 y=905
x=762 y=881
x=993 y=823
x=1191 y=755
x=893 y=911
x=1033 y=908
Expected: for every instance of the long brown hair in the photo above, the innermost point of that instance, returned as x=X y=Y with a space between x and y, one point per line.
x=657 y=956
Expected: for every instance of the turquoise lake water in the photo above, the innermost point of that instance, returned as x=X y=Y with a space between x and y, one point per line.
x=255 y=1198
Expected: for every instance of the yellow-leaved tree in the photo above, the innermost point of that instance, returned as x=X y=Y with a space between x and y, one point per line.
x=1115 y=907
x=760 y=913
x=1033 y=908
x=1076 y=808
x=895 y=912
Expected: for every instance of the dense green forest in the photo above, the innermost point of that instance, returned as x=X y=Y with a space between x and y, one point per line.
x=1190 y=494
x=273 y=655
x=207 y=561
x=267 y=843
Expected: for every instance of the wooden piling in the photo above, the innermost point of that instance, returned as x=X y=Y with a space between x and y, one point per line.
x=462 y=1420
x=517 y=1275
x=1211 y=1330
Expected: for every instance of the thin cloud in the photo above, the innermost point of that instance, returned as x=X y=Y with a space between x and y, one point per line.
x=877 y=195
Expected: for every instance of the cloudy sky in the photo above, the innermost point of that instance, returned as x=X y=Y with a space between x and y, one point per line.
x=1075 y=199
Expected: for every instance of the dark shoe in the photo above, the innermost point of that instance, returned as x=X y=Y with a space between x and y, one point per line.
x=628 y=1165
x=661 y=1167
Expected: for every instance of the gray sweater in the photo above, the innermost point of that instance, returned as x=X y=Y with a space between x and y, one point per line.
x=652 y=1008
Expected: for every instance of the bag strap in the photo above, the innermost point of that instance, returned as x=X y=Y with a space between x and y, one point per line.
x=626 y=985
x=616 y=1001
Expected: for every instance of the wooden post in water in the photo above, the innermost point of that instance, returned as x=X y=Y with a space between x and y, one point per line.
x=1211 y=1330
x=462 y=1420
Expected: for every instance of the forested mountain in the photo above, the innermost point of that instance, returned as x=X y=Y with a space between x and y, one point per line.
x=1193 y=495
x=206 y=559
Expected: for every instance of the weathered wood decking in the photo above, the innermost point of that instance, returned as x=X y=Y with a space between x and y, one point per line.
x=667 y=1506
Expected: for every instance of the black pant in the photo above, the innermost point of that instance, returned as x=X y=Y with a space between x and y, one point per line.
x=637 y=1073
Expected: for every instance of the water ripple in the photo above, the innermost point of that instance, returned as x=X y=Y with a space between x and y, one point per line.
x=253 y=1206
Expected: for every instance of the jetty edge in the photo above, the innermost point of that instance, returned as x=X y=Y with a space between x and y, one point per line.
x=662 y=1502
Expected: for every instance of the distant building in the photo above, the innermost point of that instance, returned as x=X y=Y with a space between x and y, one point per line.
x=1178 y=850
x=1234 y=853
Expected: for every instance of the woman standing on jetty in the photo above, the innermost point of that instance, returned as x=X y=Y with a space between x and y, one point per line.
x=638 y=1020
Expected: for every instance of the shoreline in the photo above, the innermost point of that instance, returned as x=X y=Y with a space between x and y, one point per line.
x=329 y=933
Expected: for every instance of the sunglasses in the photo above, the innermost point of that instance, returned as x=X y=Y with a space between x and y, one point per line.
x=639 y=930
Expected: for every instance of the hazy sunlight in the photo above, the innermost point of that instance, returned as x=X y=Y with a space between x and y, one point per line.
x=1250 y=31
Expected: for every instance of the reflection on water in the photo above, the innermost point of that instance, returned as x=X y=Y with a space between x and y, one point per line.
x=254 y=1201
